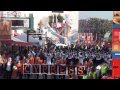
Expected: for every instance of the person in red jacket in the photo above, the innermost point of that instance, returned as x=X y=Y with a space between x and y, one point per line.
x=31 y=60
x=14 y=73
x=19 y=69
x=27 y=63
x=39 y=60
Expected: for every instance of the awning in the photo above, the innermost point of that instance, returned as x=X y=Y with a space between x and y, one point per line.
x=23 y=37
x=14 y=40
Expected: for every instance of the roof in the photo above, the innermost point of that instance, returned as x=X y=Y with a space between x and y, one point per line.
x=14 y=40
x=23 y=37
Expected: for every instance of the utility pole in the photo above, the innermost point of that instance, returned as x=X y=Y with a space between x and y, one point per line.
x=27 y=35
x=31 y=25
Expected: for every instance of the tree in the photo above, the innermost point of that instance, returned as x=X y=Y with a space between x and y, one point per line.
x=60 y=18
x=55 y=18
x=96 y=26
x=50 y=20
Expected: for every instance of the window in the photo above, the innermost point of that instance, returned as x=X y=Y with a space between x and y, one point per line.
x=17 y=22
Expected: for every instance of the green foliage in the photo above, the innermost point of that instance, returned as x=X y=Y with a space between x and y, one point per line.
x=55 y=18
x=60 y=18
x=96 y=26
x=50 y=18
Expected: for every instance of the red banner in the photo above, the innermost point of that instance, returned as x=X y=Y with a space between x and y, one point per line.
x=116 y=39
x=116 y=67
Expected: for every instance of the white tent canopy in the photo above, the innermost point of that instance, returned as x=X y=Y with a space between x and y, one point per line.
x=23 y=37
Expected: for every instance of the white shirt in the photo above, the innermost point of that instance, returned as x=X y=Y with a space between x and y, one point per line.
x=17 y=58
x=81 y=60
x=48 y=60
x=98 y=67
x=80 y=56
x=33 y=53
x=8 y=66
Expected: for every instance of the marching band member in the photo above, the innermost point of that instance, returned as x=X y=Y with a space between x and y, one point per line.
x=31 y=60
x=19 y=69
x=39 y=60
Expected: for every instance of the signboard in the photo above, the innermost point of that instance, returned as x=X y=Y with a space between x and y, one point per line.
x=115 y=49
x=116 y=39
x=5 y=29
x=19 y=23
x=53 y=69
x=116 y=67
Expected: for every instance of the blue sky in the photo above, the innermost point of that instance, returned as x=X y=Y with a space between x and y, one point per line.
x=98 y=14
